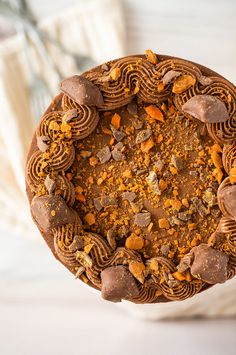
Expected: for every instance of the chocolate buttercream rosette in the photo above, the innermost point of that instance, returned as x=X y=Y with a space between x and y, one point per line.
x=131 y=178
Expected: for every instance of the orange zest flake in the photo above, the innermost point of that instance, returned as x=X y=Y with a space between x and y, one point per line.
x=163 y=223
x=173 y=170
x=217 y=160
x=215 y=148
x=176 y=204
x=65 y=127
x=163 y=185
x=106 y=130
x=232 y=175
x=151 y=56
x=93 y=161
x=78 y=189
x=115 y=74
x=182 y=83
x=154 y=112
x=137 y=268
x=89 y=219
x=80 y=197
x=54 y=126
x=115 y=120
x=218 y=174
x=147 y=145
x=134 y=242
x=69 y=176
x=88 y=247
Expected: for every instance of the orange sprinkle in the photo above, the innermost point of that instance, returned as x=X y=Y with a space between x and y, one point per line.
x=154 y=112
x=115 y=120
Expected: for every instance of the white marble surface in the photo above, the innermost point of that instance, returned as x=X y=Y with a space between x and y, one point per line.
x=43 y=310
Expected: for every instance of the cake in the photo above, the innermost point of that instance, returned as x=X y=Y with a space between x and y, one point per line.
x=131 y=178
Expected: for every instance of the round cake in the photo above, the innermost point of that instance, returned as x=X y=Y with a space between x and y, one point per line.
x=131 y=178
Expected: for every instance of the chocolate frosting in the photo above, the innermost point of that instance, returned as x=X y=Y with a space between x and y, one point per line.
x=82 y=91
x=227 y=197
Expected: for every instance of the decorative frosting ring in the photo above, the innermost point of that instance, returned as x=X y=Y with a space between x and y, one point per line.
x=229 y=156
x=225 y=183
x=228 y=226
x=65 y=189
x=85 y=122
x=147 y=294
x=64 y=237
x=46 y=125
x=36 y=170
x=183 y=291
x=62 y=156
x=223 y=132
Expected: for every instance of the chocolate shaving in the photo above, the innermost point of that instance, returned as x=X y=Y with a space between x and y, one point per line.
x=118 y=135
x=104 y=154
x=42 y=143
x=143 y=136
x=69 y=115
x=170 y=76
x=129 y=196
x=177 y=162
x=205 y=81
x=82 y=91
x=50 y=184
x=206 y=108
x=142 y=219
x=132 y=108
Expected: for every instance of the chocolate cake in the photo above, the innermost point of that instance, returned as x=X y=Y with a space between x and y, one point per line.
x=131 y=178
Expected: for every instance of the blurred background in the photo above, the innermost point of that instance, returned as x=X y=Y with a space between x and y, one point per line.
x=43 y=310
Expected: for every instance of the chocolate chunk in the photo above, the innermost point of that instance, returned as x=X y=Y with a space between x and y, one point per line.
x=228 y=197
x=165 y=250
x=142 y=219
x=174 y=221
x=185 y=263
x=111 y=237
x=209 y=265
x=129 y=196
x=204 y=80
x=206 y=108
x=97 y=203
x=107 y=201
x=42 y=143
x=69 y=115
x=82 y=91
x=104 y=67
x=51 y=211
x=104 y=154
x=159 y=164
x=118 y=283
x=116 y=153
x=50 y=184
x=199 y=206
x=77 y=244
x=132 y=108
x=137 y=124
x=153 y=183
x=170 y=76
x=172 y=282
x=137 y=206
x=184 y=216
x=209 y=197
x=177 y=162
x=118 y=135
x=143 y=136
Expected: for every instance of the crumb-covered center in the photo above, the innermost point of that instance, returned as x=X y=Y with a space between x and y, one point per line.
x=147 y=178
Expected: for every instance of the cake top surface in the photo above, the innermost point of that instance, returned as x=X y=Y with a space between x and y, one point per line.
x=131 y=178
